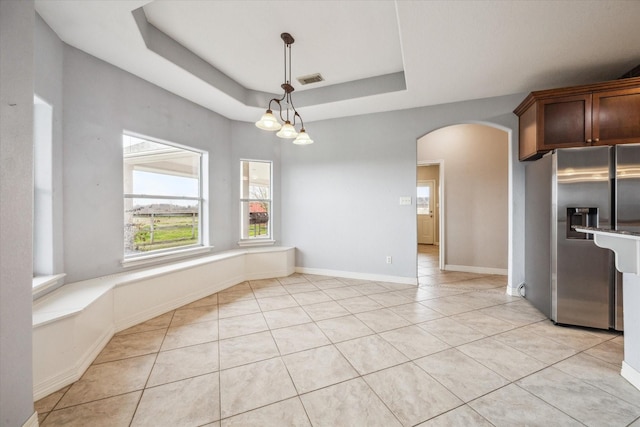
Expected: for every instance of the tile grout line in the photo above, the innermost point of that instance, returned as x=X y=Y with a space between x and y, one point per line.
x=144 y=387
x=285 y=367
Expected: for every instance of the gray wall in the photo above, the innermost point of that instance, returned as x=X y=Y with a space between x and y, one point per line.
x=95 y=115
x=340 y=195
x=99 y=102
x=16 y=157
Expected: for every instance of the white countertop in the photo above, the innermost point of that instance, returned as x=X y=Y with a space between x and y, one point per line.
x=625 y=244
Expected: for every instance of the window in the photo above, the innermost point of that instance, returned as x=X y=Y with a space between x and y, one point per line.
x=162 y=196
x=42 y=188
x=46 y=263
x=255 y=201
x=422 y=201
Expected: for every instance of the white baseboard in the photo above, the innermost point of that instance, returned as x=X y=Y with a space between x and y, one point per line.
x=32 y=421
x=355 y=275
x=478 y=270
x=73 y=374
x=55 y=383
x=143 y=316
x=89 y=356
x=631 y=375
x=269 y=275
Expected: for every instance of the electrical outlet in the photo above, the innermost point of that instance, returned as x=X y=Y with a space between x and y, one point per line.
x=389 y=259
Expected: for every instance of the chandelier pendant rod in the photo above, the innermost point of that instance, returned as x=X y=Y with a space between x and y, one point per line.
x=285 y=67
x=288 y=88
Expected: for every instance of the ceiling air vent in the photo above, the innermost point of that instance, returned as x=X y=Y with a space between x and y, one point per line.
x=311 y=78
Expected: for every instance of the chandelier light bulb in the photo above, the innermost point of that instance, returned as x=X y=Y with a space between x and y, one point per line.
x=268 y=122
x=287 y=131
x=303 y=138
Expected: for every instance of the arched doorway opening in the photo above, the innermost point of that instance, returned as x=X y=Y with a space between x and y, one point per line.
x=472 y=204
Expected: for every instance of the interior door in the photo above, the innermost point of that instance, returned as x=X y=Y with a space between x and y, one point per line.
x=425 y=204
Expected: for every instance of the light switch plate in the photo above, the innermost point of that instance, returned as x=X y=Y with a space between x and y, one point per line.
x=405 y=200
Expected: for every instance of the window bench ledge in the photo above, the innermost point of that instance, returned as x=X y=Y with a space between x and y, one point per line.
x=173 y=256
x=41 y=283
x=72 y=324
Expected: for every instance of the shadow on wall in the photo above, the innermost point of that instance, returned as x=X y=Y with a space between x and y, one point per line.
x=474 y=161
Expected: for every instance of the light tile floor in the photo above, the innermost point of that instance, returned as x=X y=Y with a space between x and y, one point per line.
x=310 y=350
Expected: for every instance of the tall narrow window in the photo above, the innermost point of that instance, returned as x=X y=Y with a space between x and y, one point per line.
x=255 y=200
x=42 y=188
x=162 y=196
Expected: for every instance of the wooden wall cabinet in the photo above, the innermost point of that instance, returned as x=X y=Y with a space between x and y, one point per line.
x=599 y=114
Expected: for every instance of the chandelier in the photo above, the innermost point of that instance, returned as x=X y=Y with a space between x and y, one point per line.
x=269 y=122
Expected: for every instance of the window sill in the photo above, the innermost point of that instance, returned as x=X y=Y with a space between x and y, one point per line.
x=159 y=258
x=256 y=242
x=42 y=283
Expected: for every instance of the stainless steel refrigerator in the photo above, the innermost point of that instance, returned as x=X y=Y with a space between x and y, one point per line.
x=567 y=276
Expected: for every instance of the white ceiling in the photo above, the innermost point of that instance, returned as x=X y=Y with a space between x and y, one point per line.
x=448 y=50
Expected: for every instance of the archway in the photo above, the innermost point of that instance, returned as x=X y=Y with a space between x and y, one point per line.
x=475 y=196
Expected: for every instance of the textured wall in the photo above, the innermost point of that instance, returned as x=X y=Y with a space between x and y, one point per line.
x=93 y=103
x=95 y=115
x=340 y=195
x=16 y=183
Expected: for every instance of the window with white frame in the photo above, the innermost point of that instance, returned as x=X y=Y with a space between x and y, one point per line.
x=42 y=188
x=47 y=264
x=162 y=196
x=255 y=200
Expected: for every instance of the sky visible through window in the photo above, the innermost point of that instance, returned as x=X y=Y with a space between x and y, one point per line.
x=162 y=184
x=157 y=183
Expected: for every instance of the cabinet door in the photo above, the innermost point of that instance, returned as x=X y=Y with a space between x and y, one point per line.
x=564 y=122
x=616 y=117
